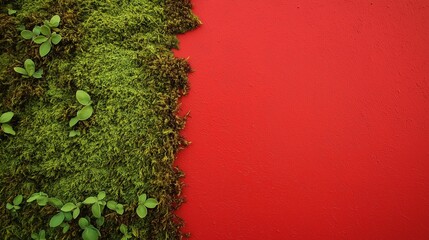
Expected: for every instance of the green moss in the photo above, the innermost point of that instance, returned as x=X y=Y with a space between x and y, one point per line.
x=120 y=54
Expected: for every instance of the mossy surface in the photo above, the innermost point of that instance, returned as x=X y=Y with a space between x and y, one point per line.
x=120 y=53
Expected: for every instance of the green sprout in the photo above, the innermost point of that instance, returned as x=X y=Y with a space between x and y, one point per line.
x=117 y=207
x=44 y=36
x=15 y=203
x=124 y=230
x=89 y=231
x=97 y=204
x=144 y=204
x=11 y=11
x=29 y=70
x=41 y=198
x=72 y=207
x=84 y=113
x=4 y=120
x=38 y=236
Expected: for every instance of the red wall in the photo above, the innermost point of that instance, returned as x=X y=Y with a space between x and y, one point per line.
x=310 y=120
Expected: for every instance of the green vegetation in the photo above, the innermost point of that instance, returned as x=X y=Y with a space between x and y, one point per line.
x=29 y=70
x=120 y=53
x=38 y=236
x=15 y=204
x=47 y=37
x=4 y=121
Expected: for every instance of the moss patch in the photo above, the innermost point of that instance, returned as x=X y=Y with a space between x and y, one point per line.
x=120 y=53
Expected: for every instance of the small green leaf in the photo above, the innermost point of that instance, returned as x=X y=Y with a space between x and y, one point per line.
x=111 y=205
x=66 y=227
x=55 y=21
x=101 y=195
x=100 y=221
x=38 y=73
x=18 y=200
x=45 y=30
x=73 y=121
x=74 y=133
x=44 y=48
x=33 y=197
x=142 y=198
x=151 y=203
x=56 y=220
x=29 y=67
x=16 y=207
x=83 y=97
x=42 y=234
x=120 y=209
x=40 y=39
x=20 y=70
x=90 y=200
x=56 y=38
x=36 y=30
x=35 y=236
x=9 y=206
x=83 y=223
x=76 y=212
x=8 y=129
x=141 y=211
x=123 y=229
x=6 y=117
x=11 y=11
x=68 y=216
x=55 y=202
x=90 y=233
x=96 y=210
x=85 y=113
x=42 y=200
x=27 y=34
x=68 y=207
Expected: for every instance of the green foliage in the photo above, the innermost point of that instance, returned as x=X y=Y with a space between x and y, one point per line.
x=97 y=204
x=124 y=230
x=41 y=198
x=144 y=204
x=117 y=207
x=47 y=37
x=84 y=113
x=4 y=121
x=29 y=70
x=38 y=236
x=121 y=52
x=89 y=231
x=11 y=11
x=15 y=203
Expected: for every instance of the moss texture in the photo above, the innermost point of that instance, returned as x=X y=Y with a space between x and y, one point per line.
x=120 y=53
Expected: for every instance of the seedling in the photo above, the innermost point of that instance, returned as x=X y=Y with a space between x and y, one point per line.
x=41 y=198
x=61 y=219
x=38 y=236
x=97 y=204
x=4 y=120
x=124 y=230
x=117 y=207
x=89 y=231
x=47 y=37
x=84 y=113
x=15 y=203
x=11 y=11
x=144 y=204
x=29 y=70
x=71 y=207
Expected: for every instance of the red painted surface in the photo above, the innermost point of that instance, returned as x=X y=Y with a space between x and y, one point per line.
x=310 y=120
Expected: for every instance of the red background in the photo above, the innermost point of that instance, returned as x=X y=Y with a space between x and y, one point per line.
x=310 y=120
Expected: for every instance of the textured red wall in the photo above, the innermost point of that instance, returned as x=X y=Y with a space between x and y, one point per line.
x=310 y=120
